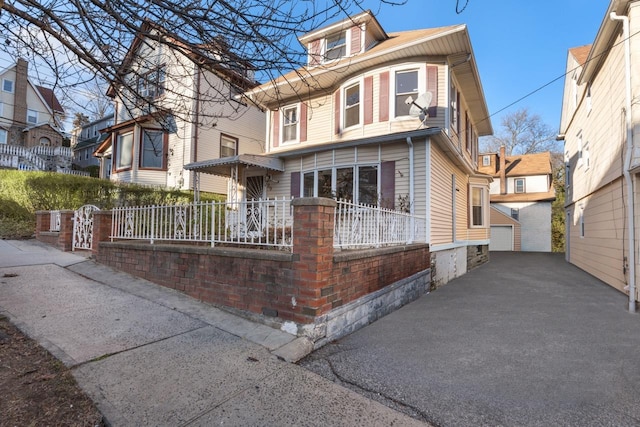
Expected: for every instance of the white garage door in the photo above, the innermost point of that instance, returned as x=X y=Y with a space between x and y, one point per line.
x=501 y=238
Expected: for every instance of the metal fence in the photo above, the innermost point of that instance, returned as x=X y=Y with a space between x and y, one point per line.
x=265 y=223
x=361 y=226
x=54 y=221
x=256 y=222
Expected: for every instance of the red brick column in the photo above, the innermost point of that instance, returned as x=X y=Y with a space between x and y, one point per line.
x=101 y=229
x=65 y=238
x=43 y=221
x=313 y=220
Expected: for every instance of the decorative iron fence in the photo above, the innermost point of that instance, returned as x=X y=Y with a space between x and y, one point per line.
x=54 y=220
x=255 y=222
x=361 y=226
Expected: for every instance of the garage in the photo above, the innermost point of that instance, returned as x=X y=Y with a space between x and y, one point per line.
x=501 y=238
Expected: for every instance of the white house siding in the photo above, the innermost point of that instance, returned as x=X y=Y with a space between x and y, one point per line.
x=535 y=221
x=34 y=102
x=533 y=184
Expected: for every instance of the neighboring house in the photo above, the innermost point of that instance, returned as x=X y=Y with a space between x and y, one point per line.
x=600 y=126
x=344 y=127
x=85 y=141
x=30 y=124
x=522 y=190
x=179 y=107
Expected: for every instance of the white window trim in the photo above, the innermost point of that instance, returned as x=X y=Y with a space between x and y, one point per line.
x=35 y=113
x=515 y=185
x=422 y=86
x=4 y=136
x=484 y=203
x=281 y=118
x=580 y=147
x=334 y=177
x=13 y=85
x=1 y=109
x=347 y=46
x=486 y=160
x=343 y=104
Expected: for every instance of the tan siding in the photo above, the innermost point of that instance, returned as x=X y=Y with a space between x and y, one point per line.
x=601 y=251
x=441 y=212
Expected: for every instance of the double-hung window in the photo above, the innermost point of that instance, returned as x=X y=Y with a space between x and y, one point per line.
x=7 y=85
x=352 y=105
x=478 y=201
x=290 y=124
x=151 y=84
x=406 y=86
x=152 y=149
x=124 y=151
x=519 y=185
x=32 y=117
x=335 y=46
x=228 y=146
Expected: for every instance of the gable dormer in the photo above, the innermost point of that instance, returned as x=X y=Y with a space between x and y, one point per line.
x=346 y=38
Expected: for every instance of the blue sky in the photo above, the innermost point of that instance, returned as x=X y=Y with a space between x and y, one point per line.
x=519 y=45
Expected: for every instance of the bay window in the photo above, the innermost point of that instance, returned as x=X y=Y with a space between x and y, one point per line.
x=152 y=149
x=406 y=85
x=124 y=150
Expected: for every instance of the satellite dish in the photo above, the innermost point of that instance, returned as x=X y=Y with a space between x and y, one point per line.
x=420 y=106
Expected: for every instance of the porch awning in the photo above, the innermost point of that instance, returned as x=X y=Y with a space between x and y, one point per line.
x=223 y=165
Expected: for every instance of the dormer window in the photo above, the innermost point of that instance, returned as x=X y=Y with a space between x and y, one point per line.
x=335 y=46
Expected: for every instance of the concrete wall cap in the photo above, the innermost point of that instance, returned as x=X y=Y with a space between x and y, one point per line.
x=313 y=201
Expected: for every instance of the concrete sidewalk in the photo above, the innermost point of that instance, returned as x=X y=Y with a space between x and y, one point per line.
x=148 y=355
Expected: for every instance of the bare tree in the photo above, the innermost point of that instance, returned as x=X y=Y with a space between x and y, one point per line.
x=522 y=133
x=81 y=41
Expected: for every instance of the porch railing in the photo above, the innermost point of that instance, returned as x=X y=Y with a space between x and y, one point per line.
x=361 y=226
x=256 y=222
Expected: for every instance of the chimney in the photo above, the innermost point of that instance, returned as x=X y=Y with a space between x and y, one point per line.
x=503 y=171
x=20 y=93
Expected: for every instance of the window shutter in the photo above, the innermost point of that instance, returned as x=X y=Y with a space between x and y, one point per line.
x=295 y=184
x=336 y=105
x=432 y=86
x=368 y=100
x=276 y=128
x=384 y=96
x=356 y=33
x=314 y=52
x=303 y=122
x=388 y=184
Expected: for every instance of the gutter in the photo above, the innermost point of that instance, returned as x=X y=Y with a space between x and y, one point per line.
x=627 y=162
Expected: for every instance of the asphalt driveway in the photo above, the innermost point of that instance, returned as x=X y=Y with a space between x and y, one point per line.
x=526 y=339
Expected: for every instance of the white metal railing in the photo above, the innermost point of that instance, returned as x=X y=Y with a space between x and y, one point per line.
x=360 y=226
x=72 y=172
x=256 y=222
x=54 y=220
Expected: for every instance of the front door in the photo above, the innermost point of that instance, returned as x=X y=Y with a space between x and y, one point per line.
x=255 y=192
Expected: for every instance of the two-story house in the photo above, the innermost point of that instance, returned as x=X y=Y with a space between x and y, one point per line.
x=521 y=195
x=86 y=139
x=176 y=104
x=387 y=119
x=600 y=125
x=31 y=133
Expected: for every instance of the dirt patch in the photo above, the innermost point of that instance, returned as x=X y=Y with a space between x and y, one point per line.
x=36 y=388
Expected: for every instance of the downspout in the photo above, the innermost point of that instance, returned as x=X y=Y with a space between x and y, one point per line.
x=627 y=161
x=411 y=190
x=195 y=178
